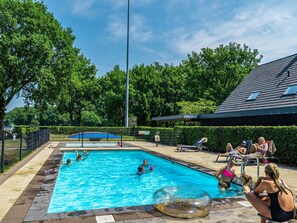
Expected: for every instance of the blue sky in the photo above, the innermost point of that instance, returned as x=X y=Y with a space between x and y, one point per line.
x=167 y=30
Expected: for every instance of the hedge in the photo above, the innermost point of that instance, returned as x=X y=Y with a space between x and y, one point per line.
x=284 y=137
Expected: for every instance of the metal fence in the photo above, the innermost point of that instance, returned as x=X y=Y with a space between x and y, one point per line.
x=168 y=137
x=15 y=146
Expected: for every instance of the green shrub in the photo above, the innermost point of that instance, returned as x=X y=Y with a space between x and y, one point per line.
x=284 y=137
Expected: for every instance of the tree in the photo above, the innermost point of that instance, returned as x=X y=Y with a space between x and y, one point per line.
x=90 y=119
x=155 y=90
x=112 y=97
x=21 y=116
x=214 y=73
x=78 y=93
x=144 y=93
x=34 y=49
x=197 y=107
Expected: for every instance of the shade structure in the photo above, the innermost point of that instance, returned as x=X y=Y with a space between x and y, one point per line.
x=94 y=135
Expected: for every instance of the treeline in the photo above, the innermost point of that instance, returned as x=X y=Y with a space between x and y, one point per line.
x=196 y=86
x=38 y=60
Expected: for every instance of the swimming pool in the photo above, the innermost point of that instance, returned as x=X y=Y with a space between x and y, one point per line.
x=90 y=144
x=108 y=179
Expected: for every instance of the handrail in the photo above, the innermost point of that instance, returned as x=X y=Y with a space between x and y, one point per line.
x=244 y=160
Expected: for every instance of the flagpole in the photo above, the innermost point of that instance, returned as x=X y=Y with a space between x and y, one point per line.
x=127 y=70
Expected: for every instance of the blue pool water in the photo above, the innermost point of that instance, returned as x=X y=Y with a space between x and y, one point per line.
x=108 y=179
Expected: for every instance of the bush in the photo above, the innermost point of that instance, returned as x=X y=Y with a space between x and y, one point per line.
x=284 y=137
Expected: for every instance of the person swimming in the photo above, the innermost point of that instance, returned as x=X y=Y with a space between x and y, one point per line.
x=79 y=156
x=146 y=166
x=140 y=169
x=68 y=161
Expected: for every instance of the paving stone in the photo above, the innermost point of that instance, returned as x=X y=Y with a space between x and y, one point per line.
x=125 y=216
x=144 y=215
x=146 y=220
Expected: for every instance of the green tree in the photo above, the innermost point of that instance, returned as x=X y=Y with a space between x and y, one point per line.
x=78 y=93
x=172 y=90
x=51 y=116
x=21 y=115
x=90 y=118
x=197 y=107
x=34 y=49
x=155 y=90
x=144 y=93
x=214 y=73
x=112 y=97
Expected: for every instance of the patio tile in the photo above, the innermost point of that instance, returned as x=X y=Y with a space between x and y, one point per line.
x=125 y=216
x=104 y=218
x=146 y=220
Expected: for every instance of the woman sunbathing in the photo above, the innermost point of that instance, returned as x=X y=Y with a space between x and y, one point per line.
x=237 y=151
x=259 y=148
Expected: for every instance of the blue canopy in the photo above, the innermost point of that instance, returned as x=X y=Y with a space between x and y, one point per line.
x=89 y=135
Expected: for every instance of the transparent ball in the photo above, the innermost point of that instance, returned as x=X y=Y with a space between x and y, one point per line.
x=183 y=202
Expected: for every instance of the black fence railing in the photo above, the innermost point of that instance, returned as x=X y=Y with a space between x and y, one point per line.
x=167 y=137
x=15 y=146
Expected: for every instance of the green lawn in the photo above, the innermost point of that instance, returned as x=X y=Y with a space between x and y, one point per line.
x=12 y=156
x=9 y=143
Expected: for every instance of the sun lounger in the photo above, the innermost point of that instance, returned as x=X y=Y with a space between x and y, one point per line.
x=197 y=146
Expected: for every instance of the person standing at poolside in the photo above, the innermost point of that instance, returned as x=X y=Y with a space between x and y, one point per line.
x=157 y=138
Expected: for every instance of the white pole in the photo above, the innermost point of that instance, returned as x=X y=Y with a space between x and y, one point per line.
x=127 y=70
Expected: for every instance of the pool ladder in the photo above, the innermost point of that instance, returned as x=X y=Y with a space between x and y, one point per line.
x=244 y=161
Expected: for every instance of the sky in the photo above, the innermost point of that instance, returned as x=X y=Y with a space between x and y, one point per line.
x=166 y=31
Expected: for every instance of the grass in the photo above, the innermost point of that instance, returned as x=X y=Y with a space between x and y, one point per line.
x=9 y=143
x=13 y=156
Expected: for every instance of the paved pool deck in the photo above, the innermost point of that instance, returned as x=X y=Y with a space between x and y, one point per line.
x=20 y=185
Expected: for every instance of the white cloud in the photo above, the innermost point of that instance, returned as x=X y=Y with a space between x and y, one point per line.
x=272 y=30
x=83 y=7
x=124 y=3
x=91 y=8
x=139 y=31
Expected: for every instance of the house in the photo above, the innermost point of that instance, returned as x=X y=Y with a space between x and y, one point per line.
x=267 y=96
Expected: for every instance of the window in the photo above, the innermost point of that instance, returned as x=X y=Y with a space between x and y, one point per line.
x=253 y=96
x=291 y=90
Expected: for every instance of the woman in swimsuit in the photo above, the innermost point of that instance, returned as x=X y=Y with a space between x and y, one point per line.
x=281 y=205
x=225 y=175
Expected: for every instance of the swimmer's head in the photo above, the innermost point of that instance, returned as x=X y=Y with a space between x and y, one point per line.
x=68 y=161
x=145 y=163
x=140 y=169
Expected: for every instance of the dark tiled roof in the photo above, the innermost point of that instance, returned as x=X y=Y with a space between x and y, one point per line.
x=185 y=117
x=271 y=80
